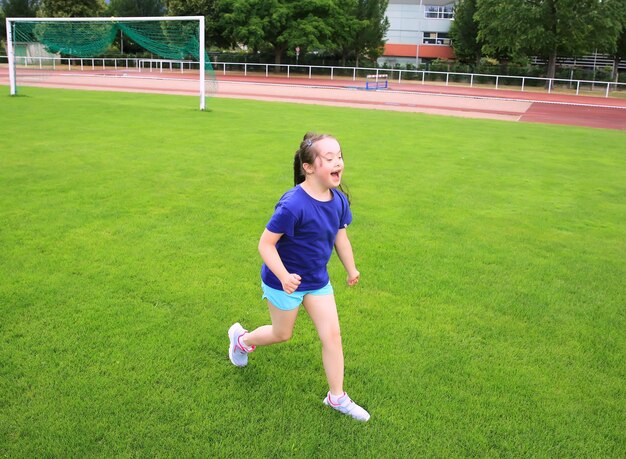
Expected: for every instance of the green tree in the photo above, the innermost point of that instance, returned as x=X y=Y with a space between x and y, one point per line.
x=545 y=28
x=278 y=25
x=499 y=33
x=122 y=8
x=210 y=9
x=71 y=8
x=3 y=31
x=614 y=44
x=16 y=9
x=619 y=53
x=345 y=27
x=359 y=27
x=19 y=8
x=464 y=33
x=370 y=40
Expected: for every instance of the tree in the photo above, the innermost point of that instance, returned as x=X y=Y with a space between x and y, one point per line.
x=545 y=28
x=71 y=8
x=122 y=8
x=619 y=53
x=464 y=33
x=210 y=9
x=369 y=40
x=614 y=44
x=278 y=25
x=16 y=9
x=3 y=30
x=345 y=29
x=499 y=28
x=359 y=27
x=19 y=8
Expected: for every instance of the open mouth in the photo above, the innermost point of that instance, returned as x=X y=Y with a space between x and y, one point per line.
x=336 y=175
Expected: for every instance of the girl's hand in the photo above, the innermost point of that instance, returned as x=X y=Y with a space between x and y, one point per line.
x=353 y=277
x=290 y=283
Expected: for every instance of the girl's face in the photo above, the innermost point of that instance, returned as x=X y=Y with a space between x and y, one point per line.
x=328 y=164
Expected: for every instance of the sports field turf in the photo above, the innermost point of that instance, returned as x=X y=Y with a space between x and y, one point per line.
x=489 y=320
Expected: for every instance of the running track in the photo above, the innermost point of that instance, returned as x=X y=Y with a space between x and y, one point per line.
x=597 y=112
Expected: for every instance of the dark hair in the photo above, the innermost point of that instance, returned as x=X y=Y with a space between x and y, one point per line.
x=307 y=154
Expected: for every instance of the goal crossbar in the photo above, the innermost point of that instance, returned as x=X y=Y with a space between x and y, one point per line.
x=10 y=22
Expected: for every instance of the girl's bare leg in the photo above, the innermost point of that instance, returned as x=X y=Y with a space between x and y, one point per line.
x=280 y=330
x=323 y=312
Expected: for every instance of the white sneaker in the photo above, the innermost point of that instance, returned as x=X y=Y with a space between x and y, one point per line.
x=237 y=352
x=346 y=406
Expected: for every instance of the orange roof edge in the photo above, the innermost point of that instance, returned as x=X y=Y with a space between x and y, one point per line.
x=425 y=51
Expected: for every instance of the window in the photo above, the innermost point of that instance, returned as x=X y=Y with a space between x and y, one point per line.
x=439 y=12
x=436 y=38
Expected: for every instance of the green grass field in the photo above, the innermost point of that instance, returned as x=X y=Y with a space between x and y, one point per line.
x=489 y=320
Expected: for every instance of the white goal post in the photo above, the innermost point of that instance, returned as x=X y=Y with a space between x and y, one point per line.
x=11 y=22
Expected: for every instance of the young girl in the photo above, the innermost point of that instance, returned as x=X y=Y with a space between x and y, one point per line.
x=308 y=221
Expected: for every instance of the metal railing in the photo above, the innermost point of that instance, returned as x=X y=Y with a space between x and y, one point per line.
x=522 y=83
x=167 y=64
x=401 y=76
x=72 y=63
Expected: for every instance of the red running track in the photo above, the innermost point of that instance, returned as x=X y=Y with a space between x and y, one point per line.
x=536 y=107
x=566 y=109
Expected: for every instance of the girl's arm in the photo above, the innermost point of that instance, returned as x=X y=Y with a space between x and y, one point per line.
x=344 y=251
x=269 y=254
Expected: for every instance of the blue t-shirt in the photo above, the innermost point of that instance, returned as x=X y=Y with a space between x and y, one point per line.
x=309 y=229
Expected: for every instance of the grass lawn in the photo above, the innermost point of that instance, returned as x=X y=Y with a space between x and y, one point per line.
x=489 y=320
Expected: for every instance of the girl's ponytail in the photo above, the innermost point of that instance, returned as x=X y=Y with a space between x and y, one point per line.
x=298 y=171
x=303 y=151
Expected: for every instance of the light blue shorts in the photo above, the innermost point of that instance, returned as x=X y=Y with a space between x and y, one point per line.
x=288 y=301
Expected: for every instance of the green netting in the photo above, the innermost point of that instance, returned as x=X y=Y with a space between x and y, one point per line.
x=173 y=39
x=80 y=39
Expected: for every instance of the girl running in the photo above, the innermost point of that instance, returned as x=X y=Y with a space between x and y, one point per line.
x=308 y=221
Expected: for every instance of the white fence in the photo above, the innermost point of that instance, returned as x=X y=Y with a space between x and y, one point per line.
x=63 y=63
x=166 y=64
x=510 y=82
x=592 y=61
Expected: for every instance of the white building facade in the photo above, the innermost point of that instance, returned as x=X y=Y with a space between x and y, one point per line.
x=418 y=31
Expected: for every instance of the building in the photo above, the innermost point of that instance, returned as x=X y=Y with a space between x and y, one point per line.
x=418 y=31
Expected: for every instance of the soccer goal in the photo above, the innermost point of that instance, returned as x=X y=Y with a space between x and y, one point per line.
x=38 y=47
